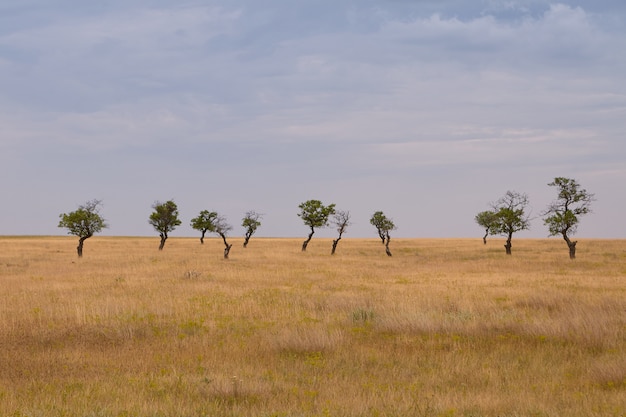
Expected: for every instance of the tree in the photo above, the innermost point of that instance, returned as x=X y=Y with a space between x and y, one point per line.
x=510 y=216
x=164 y=219
x=84 y=222
x=381 y=223
x=210 y=221
x=314 y=214
x=341 y=219
x=221 y=227
x=251 y=222
x=204 y=223
x=562 y=215
x=486 y=219
x=383 y=227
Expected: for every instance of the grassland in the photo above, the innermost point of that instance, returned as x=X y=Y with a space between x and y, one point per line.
x=446 y=327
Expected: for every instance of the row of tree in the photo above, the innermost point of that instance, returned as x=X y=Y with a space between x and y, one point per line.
x=315 y=214
x=509 y=214
x=87 y=221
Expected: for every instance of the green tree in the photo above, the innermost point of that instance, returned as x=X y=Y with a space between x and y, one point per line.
x=210 y=221
x=251 y=222
x=341 y=220
x=204 y=223
x=84 y=222
x=486 y=219
x=314 y=214
x=383 y=226
x=510 y=216
x=164 y=219
x=562 y=215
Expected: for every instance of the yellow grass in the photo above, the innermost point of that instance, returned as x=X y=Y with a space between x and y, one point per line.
x=446 y=327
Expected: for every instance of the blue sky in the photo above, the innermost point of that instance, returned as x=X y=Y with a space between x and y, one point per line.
x=426 y=110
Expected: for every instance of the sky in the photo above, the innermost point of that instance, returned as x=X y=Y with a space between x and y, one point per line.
x=428 y=110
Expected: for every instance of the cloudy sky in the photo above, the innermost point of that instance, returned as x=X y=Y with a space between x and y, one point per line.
x=425 y=109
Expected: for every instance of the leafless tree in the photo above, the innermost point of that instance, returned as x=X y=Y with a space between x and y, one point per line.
x=221 y=227
x=341 y=220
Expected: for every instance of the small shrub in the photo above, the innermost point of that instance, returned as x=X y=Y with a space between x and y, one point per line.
x=362 y=316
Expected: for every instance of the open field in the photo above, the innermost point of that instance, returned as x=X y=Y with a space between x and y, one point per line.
x=446 y=327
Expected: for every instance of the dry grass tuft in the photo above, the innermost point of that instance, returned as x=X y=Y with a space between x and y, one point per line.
x=305 y=339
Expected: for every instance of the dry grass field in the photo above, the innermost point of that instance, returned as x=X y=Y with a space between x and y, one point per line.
x=446 y=327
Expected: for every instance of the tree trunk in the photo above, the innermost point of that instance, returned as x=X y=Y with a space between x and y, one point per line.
x=202 y=237
x=226 y=246
x=571 y=245
x=381 y=235
x=508 y=244
x=335 y=243
x=387 y=251
x=306 y=242
x=79 y=248
x=245 y=242
x=163 y=239
x=485 y=237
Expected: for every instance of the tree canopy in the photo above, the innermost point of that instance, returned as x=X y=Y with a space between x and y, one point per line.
x=84 y=222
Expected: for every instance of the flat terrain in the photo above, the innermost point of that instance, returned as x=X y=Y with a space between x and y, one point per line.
x=445 y=327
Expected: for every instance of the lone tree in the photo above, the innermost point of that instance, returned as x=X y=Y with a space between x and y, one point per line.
x=221 y=227
x=341 y=219
x=84 y=222
x=486 y=219
x=314 y=214
x=251 y=222
x=510 y=216
x=164 y=219
x=383 y=227
x=562 y=215
x=204 y=223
